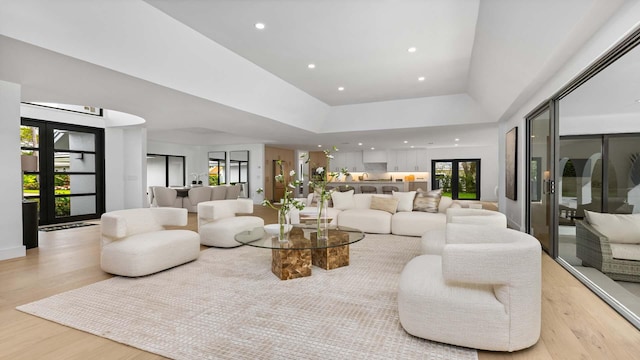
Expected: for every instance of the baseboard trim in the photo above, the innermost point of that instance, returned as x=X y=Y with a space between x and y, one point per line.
x=12 y=253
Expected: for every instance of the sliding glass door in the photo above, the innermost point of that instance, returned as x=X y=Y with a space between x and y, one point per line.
x=540 y=175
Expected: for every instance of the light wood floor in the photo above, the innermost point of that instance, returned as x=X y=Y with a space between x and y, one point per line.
x=575 y=323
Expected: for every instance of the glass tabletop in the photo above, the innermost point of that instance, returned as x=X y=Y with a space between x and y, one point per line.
x=301 y=237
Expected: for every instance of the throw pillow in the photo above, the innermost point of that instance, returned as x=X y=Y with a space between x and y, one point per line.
x=427 y=201
x=405 y=200
x=343 y=200
x=619 y=228
x=444 y=204
x=385 y=204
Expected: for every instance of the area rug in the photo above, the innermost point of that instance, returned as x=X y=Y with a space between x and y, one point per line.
x=228 y=305
x=64 y=226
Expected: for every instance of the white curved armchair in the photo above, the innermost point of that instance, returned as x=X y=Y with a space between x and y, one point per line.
x=135 y=243
x=433 y=240
x=483 y=292
x=218 y=223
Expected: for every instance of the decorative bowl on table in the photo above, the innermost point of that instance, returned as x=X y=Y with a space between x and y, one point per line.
x=274 y=229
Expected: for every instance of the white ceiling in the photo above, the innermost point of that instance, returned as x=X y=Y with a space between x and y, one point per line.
x=360 y=45
x=496 y=53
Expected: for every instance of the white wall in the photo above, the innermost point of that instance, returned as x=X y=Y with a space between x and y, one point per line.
x=618 y=26
x=10 y=176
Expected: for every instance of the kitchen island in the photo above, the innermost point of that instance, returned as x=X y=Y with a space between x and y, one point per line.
x=378 y=184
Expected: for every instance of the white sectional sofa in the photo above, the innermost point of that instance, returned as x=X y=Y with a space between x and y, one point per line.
x=354 y=210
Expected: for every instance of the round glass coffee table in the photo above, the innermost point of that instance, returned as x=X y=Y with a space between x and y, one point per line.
x=293 y=258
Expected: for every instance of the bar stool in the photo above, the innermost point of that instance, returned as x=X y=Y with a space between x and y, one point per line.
x=368 y=189
x=389 y=189
x=343 y=188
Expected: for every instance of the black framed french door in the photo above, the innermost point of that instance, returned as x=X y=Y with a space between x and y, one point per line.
x=458 y=178
x=69 y=181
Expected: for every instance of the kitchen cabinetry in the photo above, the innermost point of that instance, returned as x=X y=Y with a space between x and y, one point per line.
x=407 y=160
x=352 y=161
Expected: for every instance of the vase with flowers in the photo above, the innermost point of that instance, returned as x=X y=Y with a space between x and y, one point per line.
x=320 y=178
x=288 y=202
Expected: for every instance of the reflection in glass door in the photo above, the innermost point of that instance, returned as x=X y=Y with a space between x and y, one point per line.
x=540 y=173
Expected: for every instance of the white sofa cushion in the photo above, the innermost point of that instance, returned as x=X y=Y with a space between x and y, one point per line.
x=416 y=223
x=405 y=200
x=625 y=251
x=476 y=216
x=150 y=252
x=222 y=233
x=445 y=203
x=367 y=220
x=619 y=228
x=343 y=200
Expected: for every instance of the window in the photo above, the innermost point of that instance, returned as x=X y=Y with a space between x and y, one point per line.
x=459 y=178
x=165 y=170
x=217 y=163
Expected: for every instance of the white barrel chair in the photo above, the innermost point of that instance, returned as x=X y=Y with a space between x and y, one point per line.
x=218 y=223
x=134 y=242
x=433 y=240
x=484 y=292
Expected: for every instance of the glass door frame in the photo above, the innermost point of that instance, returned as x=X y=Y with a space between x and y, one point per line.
x=549 y=187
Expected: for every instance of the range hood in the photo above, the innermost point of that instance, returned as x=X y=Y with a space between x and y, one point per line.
x=374 y=168
x=374 y=157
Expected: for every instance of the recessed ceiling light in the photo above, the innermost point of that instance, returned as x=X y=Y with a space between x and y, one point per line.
x=638 y=100
x=319 y=145
x=406 y=141
x=359 y=144
x=533 y=136
x=412 y=49
x=311 y=66
x=421 y=78
x=457 y=139
x=373 y=148
x=341 y=88
x=412 y=146
x=259 y=26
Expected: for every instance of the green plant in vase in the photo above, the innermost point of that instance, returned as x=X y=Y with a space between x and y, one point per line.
x=320 y=178
x=288 y=202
